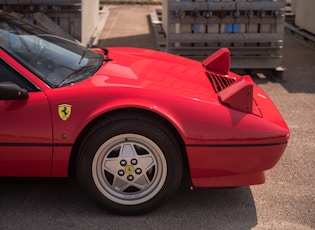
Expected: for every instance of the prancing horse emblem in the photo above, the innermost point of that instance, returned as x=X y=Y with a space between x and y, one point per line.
x=64 y=111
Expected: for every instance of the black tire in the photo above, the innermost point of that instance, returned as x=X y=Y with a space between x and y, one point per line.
x=130 y=165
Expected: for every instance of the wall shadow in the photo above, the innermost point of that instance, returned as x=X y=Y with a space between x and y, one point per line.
x=140 y=41
x=299 y=62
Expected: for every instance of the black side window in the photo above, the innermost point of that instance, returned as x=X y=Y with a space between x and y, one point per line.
x=7 y=73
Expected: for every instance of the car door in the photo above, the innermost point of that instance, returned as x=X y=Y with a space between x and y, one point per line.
x=25 y=129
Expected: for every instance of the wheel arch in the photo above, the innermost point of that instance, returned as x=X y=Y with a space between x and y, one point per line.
x=133 y=111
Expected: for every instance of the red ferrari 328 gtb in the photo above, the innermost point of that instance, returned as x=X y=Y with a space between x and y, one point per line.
x=128 y=121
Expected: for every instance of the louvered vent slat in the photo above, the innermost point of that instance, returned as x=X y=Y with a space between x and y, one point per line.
x=219 y=82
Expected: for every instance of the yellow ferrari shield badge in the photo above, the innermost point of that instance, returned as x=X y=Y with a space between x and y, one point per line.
x=64 y=111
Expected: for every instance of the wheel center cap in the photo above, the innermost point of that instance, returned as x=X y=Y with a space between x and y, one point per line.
x=129 y=169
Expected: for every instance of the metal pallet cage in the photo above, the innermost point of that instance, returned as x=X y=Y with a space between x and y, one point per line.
x=253 y=30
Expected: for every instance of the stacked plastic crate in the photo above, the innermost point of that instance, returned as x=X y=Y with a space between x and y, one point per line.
x=253 y=30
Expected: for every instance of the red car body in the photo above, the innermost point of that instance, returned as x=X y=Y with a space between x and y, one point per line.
x=225 y=146
x=230 y=129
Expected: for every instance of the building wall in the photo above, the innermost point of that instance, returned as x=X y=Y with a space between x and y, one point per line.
x=71 y=19
x=304 y=15
x=90 y=21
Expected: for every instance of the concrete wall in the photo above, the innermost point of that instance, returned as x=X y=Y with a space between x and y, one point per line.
x=304 y=15
x=89 y=21
x=72 y=19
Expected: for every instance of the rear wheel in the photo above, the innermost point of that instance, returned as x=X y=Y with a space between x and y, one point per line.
x=130 y=165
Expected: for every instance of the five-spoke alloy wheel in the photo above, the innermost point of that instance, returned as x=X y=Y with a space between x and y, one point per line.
x=129 y=169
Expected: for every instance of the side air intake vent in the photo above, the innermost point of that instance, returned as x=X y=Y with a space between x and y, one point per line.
x=219 y=82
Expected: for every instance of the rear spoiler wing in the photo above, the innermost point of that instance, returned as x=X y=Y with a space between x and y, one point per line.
x=239 y=94
x=218 y=62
